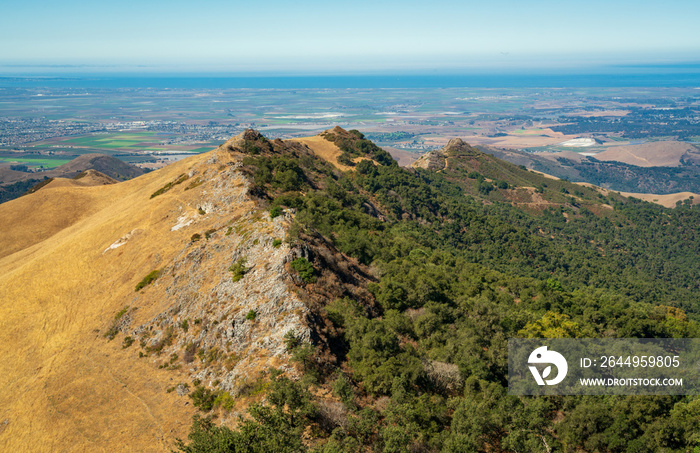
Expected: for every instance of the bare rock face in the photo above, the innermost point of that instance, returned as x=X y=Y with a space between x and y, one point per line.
x=437 y=160
x=220 y=326
x=226 y=327
x=457 y=147
x=455 y=144
x=433 y=160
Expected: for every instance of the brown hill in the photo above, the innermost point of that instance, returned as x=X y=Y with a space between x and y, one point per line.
x=652 y=154
x=14 y=184
x=72 y=257
x=107 y=165
x=87 y=178
x=403 y=157
x=668 y=200
x=8 y=176
x=102 y=163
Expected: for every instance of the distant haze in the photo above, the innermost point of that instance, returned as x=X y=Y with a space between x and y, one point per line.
x=314 y=37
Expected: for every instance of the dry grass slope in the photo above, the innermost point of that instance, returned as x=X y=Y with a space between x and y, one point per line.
x=71 y=257
x=668 y=200
x=63 y=386
x=325 y=149
x=652 y=154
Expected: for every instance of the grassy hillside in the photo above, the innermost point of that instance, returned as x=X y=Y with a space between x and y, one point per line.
x=114 y=298
x=64 y=386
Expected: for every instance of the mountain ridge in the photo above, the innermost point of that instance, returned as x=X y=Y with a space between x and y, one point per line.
x=176 y=292
x=192 y=234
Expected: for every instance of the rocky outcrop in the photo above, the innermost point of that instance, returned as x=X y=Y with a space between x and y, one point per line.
x=436 y=160
x=433 y=160
x=226 y=329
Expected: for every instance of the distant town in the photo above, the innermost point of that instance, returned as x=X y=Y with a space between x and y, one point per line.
x=141 y=125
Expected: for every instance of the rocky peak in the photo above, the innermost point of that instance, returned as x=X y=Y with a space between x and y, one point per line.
x=457 y=146
x=251 y=135
x=455 y=143
x=436 y=160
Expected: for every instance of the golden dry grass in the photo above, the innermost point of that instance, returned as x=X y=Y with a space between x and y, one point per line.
x=652 y=154
x=324 y=149
x=668 y=200
x=34 y=218
x=89 y=179
x=63 y=387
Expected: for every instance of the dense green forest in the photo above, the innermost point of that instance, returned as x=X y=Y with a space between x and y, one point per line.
x=625 y=177
x=460 y=269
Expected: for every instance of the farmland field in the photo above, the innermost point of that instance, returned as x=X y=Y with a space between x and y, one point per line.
x=157 y=124
x=33 y=162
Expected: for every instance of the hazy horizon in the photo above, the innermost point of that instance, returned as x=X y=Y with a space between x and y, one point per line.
x=317 y=38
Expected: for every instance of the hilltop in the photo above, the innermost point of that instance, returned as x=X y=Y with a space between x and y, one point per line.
x=480 y=174
x=328 y=295
x=653 y=168
x=15 y=183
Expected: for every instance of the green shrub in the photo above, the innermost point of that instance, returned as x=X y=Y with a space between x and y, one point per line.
x=342 y=388
x=148 y=279
x=239 y=269
x=250 y=147
x=485 y=187
x=276 y=243
x=128 y=341
x=225 y=400
x=195 y=237
x=114 y=329
x=196 y=183
x=291 y=341
x=203 y=398
x=346 y=159
x=252 y=314
x=275 y=212
x=180 y=179
x=305 y=269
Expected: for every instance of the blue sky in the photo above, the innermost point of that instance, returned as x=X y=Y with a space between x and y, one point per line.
x=314 y=37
